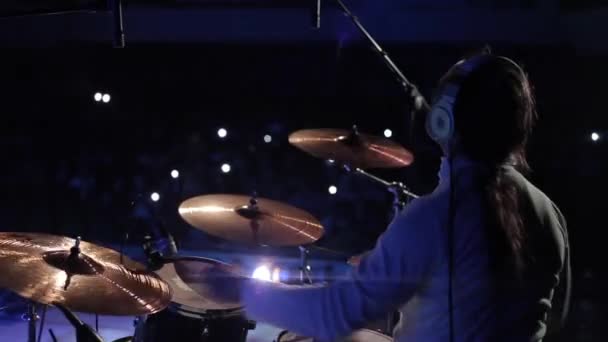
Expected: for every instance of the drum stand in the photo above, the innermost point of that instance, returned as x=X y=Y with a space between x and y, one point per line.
x=401 y=193
x=304 y=266
x=31 y=317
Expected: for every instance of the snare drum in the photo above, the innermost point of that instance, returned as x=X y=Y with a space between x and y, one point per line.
x=363 y=335
x=191 y=317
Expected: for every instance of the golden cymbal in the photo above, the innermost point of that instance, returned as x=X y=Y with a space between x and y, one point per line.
x=265 y=222
x=352 y=148
x=47 y=269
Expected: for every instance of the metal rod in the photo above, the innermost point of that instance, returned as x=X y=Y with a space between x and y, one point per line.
x=391 y=186
x=417 y=102
x=31 y=317
x=412 y=91
x=53 y=337
x=45 y=13
x=42 y=320
x=304 y=266
x=117 y=17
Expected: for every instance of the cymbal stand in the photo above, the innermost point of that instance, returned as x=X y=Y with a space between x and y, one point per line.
x=304 y=266
x=31 y=317
x=44 y=309
x=401 y=193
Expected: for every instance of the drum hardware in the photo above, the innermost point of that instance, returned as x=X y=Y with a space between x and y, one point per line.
x=158 y=242
x=363 y=335
x=195 y=314
x=84 y=333
x=352 y=148
x=251 y=220
x=69 y=271
x=31 y=317
x=44 y=310
x=53 y=337
x=401 y=193
x=305 y=270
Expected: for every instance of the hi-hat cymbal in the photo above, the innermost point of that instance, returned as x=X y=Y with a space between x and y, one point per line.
x=47 y=269
x=264 y=222
x=352 y=148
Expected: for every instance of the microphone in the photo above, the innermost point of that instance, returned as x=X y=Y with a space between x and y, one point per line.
x=419 y=107
x=84 y=333
x=315 y=18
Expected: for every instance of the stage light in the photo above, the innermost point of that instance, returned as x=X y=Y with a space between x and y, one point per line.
x=262 y=273
x=155 y=196
x=595 y=136
x=97 y=97
x=388 y=133
x=333 y=190
x=267 y=139
x=106 y=98
x=226 y=168
x=222 y=133
x=175 y=174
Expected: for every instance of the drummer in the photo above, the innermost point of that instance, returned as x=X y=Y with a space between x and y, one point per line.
x=509 y=241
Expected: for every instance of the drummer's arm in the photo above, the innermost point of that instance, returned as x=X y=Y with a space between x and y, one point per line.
x=384 y=280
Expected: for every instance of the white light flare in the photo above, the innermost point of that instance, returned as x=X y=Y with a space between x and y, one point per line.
x=262 y=273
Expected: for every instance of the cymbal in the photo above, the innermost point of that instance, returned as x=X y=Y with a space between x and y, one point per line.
x=47 y=269
x=352 y=148
x=261 y=221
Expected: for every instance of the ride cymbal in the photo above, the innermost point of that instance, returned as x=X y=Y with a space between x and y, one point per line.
x=352 y=148
x=81 y=276
x=252 y=221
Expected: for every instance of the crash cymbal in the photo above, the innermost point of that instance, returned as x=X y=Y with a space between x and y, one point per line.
x=47 y=269
x=261 y=221
x=352 y=148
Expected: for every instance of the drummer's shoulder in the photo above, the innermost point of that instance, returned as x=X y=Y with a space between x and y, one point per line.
x=424 y=208
x=428 y=203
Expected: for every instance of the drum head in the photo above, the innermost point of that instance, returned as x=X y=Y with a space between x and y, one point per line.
x=363 y=335
x=366 y=335
x=183 y=294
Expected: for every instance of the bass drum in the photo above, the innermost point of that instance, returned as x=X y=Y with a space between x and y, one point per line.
x=364 y=335
x=191 y=317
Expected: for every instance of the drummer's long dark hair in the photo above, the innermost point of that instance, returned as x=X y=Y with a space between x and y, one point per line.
x=494 y=114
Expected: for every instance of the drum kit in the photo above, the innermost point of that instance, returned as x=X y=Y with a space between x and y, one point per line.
x=168 y=296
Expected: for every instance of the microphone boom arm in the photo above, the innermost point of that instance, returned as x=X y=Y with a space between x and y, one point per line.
x=412 y=91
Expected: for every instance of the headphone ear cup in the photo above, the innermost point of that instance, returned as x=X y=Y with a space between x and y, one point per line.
x=440 y=125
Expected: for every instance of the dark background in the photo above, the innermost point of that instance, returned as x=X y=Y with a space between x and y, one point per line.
x=71 y=165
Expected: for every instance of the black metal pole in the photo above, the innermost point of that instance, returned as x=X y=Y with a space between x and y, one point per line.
x=419 y=102
x=118 y=24
x=31 y=317
x=44 y=308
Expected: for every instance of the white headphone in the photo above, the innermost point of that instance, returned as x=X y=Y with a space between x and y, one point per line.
x=440 y=119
